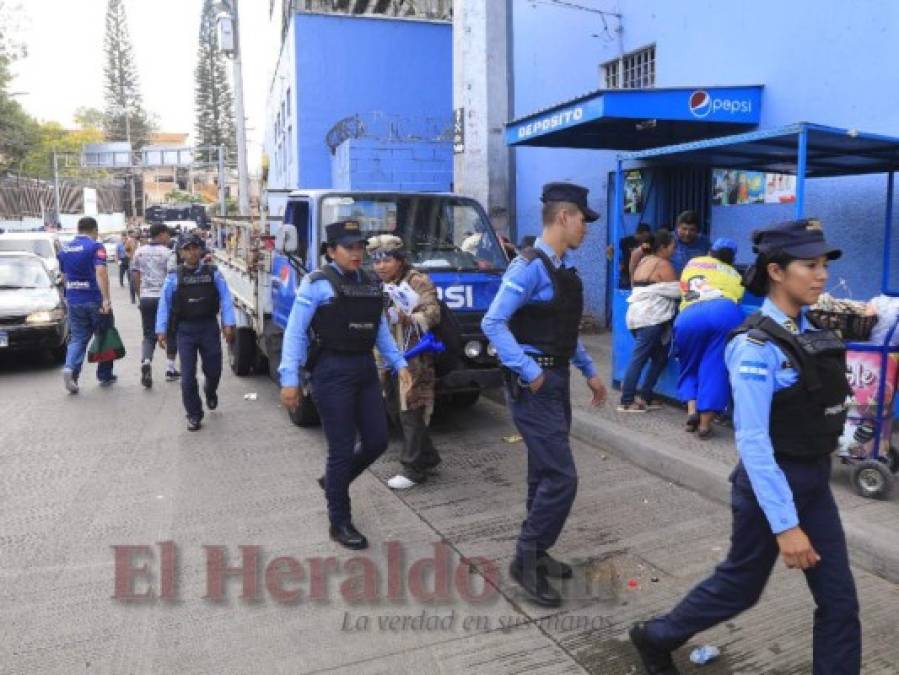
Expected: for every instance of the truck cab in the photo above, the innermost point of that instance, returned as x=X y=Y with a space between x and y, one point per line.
x=447 y=236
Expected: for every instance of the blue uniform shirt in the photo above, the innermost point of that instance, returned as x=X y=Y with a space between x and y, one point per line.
x=684 y=253
x=524 y=283
x=757 y=372
x=295 y=347
x=120 y=250
x=168 y=291
x=78 y=261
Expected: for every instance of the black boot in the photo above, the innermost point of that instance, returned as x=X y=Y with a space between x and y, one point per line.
x=656 y=660
x=533 y=580
x=193 y=423
x=348 y=536
x=555 y=569
x=212 y=400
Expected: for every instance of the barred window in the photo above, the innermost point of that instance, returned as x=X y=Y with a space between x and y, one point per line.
x=636 y=70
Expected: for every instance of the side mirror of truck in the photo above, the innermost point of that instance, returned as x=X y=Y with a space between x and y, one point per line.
x=288 y=240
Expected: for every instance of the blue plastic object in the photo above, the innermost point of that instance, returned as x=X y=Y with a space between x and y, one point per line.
x=428 y=343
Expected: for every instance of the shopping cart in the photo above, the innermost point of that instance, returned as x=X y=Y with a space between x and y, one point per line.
x=865 y=445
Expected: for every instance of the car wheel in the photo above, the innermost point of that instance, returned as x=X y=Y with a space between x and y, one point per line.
x=242 y=352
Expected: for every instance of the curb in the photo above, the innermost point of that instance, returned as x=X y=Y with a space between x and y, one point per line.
x=871 y=546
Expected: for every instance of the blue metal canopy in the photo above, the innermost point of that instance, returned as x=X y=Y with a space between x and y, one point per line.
x=827 y=151
x=630 y=119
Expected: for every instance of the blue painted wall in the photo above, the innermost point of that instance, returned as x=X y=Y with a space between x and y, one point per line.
x=558 y=52
x=397 y=74
x=373 y=164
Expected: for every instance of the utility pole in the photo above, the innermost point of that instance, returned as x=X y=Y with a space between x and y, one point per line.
x=56 y=188
x=130 y=162
x=243 y=174
x=223 y=209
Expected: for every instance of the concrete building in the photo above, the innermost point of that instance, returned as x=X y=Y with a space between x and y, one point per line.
x=564 y=50
x=361 y=102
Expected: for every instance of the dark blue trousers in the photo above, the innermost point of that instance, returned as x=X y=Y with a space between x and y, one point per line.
x=199 y=337
x=648 y=346
x=738 y=582
x=544 y=421
x=348 y=396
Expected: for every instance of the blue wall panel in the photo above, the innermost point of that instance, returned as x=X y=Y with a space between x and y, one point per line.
x=396 y=71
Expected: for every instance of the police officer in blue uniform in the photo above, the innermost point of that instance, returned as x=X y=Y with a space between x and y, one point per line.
x=790 y=389
x=82 y=262
x=195 y=293
x=336 y=321
x=533 y=323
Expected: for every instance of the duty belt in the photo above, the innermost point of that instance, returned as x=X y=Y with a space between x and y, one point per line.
x=547 y=361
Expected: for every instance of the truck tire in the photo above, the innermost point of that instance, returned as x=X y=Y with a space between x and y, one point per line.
x=242 y=352
x=306 y=415
x=464 y=399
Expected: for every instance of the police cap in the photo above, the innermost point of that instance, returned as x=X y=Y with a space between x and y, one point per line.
x=344 y=232
x=799 y=238
x=569 y=192
x=192 y=240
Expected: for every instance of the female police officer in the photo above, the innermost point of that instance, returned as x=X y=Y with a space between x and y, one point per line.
x=343 y=308
x=789 y=386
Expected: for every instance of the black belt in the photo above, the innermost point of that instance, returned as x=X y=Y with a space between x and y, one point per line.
x=548 y=361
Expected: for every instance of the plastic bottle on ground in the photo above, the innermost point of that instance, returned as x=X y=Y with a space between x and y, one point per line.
x=704 y=654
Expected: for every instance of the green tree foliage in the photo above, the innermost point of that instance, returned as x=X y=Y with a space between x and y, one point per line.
x=213 y=100
x=17 y=129
x=122 y=88
x=52 y=137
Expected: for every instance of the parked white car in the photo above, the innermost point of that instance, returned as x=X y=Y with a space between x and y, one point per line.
x=45 y=245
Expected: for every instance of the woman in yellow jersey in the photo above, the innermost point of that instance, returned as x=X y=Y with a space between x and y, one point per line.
x=711 y=292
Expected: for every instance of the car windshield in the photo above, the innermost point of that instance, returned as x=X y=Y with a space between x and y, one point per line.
x=23 y=273
x=41 y=247
x=441 y=233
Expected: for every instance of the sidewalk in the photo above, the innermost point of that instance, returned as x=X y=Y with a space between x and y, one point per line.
x=657 y=442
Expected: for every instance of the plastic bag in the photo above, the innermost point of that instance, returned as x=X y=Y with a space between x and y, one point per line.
x=106 y=346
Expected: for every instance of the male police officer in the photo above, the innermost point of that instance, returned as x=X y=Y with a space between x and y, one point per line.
x=789 y=391
x=343 y=309
x=83 y=265
x=196 y=293
x=533 y=323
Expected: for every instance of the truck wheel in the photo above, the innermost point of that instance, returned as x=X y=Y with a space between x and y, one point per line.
x=464 y=399
x=872 y=479
x=306 y=415
x=242 y=352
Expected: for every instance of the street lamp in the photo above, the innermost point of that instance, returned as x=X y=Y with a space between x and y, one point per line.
x=228 y=34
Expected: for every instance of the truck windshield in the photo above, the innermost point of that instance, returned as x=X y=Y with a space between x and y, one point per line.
x=441 y=233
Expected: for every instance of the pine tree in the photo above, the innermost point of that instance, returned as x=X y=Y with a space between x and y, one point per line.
x=213 y=100
x=122 y=89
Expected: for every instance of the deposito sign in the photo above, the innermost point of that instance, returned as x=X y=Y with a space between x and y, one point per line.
x=734 y=105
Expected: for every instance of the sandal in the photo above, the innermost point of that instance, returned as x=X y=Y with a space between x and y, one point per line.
x=692 y=423
x=631 y=407
x=704 y=433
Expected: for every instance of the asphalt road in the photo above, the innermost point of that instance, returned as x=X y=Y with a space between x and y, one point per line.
x=116 y=467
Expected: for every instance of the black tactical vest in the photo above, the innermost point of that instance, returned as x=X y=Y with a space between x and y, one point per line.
x=349 y=323
x=196 y=296
x=807 y=418
x=552 y=327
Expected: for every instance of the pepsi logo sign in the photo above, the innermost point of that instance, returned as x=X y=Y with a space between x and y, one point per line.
x=702 y=104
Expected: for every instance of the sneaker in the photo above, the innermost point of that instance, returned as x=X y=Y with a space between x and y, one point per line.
x=400 y=482
x=193 y=423
x=171 y=375
x=631 y=408
x=146 y=374
x=70 y=381
x=110 y=381
x=656 y=660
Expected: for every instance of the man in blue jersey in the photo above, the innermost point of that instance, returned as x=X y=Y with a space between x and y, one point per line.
x=83 y=265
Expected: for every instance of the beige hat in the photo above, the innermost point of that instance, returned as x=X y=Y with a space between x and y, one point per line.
x=384 y=245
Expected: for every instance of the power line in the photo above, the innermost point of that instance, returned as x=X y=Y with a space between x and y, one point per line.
x=574 y=5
